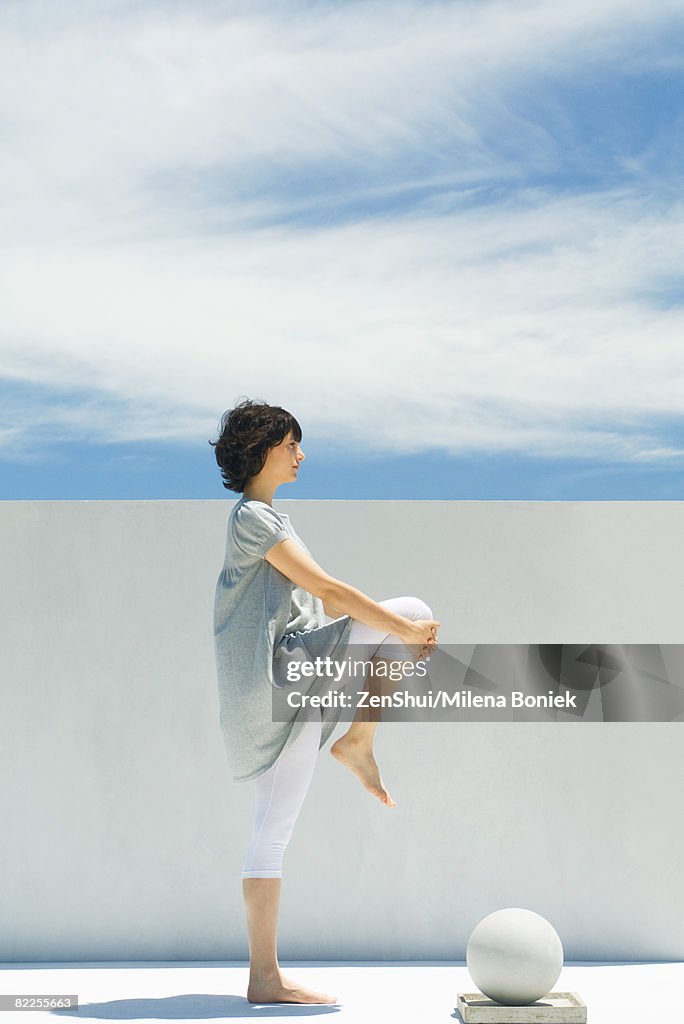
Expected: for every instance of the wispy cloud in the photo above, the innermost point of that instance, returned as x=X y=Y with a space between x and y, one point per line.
x=440 y=225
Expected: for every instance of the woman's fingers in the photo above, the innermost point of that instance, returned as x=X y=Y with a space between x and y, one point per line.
x=422 y=633
x=428 y=628
x=433 y=626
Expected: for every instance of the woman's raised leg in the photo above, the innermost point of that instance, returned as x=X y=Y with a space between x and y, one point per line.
x=354 y=749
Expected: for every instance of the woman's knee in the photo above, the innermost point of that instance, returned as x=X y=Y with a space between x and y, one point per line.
x=416 y=608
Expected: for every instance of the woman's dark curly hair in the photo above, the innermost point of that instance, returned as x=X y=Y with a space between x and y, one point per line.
x=248 y=432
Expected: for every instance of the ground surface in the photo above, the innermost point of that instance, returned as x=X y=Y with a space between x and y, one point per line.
x=415 y=992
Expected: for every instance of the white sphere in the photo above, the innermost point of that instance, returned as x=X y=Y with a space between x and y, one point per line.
x=514 y=956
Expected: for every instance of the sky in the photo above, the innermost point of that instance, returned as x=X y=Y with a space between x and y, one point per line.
x=448 y=237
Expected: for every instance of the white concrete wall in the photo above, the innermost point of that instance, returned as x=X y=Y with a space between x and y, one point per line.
x=123 y=834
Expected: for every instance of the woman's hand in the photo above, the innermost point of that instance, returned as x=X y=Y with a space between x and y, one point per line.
x=420 y=636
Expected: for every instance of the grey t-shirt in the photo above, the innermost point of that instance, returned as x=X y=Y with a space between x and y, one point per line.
x=261 y=621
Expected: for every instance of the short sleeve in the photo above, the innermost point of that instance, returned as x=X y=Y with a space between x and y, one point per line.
x=256 y=528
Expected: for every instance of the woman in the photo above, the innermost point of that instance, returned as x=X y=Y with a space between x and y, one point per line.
x=271 y=601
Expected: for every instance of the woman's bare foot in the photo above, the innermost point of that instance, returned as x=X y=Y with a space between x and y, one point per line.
x=284 y=990
x=358 y=756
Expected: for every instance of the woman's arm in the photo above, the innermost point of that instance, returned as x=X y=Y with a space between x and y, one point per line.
x=287 y=557
x=331 y=612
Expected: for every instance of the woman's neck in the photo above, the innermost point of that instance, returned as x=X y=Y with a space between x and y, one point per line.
x=264 y=494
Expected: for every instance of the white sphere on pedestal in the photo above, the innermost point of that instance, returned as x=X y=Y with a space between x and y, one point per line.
x=514 y=956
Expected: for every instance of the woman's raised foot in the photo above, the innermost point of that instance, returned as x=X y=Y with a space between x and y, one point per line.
x=358 y=757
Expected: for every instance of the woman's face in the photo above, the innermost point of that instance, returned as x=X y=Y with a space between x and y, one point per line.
x=282 y=462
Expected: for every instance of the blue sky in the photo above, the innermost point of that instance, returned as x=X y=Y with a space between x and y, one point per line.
x=447 y=236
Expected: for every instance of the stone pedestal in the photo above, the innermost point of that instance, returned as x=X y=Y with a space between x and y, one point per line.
x=476 y=1008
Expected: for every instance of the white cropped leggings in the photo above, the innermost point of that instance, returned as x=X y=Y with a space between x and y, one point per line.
x=281 y=790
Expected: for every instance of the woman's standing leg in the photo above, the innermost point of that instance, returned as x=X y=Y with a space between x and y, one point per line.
x=354 y=749
x=280 y=793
